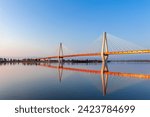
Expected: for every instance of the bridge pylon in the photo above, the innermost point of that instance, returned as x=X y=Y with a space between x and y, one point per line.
x=60 y=54
x=104 y=48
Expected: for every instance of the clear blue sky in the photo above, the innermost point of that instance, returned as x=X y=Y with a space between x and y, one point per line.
x=35 y=27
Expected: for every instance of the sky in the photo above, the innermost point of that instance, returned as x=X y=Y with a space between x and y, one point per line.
x=36 y=27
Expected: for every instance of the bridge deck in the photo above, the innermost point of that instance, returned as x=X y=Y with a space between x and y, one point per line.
x=98 y=54
x=129 y=52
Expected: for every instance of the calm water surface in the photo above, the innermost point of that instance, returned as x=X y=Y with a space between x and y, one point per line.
x=37 y=82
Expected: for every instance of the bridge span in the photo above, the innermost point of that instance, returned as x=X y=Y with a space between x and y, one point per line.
x=98 y=54
x=103 y=54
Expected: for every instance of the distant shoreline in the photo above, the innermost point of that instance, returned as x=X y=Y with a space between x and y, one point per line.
x=64 y=61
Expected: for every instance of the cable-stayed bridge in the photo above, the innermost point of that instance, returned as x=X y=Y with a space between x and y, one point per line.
x=104 y=53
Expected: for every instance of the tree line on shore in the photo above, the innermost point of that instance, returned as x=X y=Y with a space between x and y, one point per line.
x=38 y=60
x=17 y=60
x=67 y=61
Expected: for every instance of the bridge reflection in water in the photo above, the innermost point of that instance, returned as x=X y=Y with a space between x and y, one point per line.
x=103 y=72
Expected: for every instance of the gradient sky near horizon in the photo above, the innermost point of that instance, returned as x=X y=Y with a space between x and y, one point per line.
x=36 y=27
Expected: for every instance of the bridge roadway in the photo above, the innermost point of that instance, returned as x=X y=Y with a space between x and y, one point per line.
x=98 y=54
x=119 y=74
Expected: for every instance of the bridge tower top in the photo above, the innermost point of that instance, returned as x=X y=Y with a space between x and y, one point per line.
x=60 y=50
x=104 y=43
x=104 y=48
x=60 y=54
